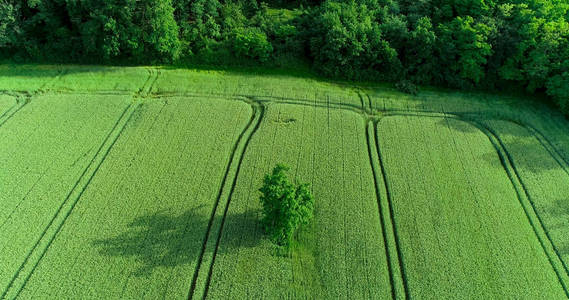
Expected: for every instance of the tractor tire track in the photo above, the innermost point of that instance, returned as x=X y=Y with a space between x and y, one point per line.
x=45 y=87
x=361 y=101
x=21 y=101
x=218 y=199
x=23 y=98
x=256 y=119
x=549 y=146
x=389 y=199
x=370 y=104
x=524 y=188
x=15 y=98
x=507 y=160
x=504 y=155
x=381 y=209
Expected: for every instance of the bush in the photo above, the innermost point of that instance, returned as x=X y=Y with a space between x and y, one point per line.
x=407 y=87
x=252 y=43
x=558 y=89
x=285 y=206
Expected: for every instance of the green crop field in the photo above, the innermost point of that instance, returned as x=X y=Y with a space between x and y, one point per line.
x=142 y=182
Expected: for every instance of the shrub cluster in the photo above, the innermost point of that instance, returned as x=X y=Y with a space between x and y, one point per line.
x=456 y=43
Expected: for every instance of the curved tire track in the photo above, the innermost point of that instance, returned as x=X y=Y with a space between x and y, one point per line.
x=201 y=280
x=521 y=191
x=393 y=263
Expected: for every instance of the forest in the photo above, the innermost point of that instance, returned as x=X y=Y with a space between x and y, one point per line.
x=465 y=44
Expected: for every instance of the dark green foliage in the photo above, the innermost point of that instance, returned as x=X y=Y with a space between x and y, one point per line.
x=9 y=25
x=419 y=52
x=252 y=43
x=407 y=87
x=161 y=32
x=346 y=41
x=558 y=88
x=456 y=43
x=285 y=206
x=463 y=50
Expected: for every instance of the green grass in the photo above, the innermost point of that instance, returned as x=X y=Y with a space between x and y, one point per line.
x=141 y=182
x=93 y=78
x=277 y=87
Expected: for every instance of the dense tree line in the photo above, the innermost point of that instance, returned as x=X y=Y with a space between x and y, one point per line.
x=456 y=43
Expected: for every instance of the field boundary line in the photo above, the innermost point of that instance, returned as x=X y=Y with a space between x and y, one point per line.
x=201 y=280
x=523 y=195
x=45 y=87
x=24 y=97
x=393 y=264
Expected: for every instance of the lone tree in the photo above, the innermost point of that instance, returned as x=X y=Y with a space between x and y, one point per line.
x=285 y=206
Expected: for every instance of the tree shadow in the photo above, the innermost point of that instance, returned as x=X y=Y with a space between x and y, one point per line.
x=457 y=125
x=560 y=208
x=527 y=157
x=527 y=153
x=563 y=249
x=241 y=230
x=165 y=239
x=50 y=70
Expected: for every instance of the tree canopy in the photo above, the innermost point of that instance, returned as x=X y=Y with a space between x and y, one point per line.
x=285 y=206
x=455 y=43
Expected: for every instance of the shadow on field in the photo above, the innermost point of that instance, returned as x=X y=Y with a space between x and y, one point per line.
x=524 y=148
x=166 y=240
x=242 y=230
x=527 y=156
x=560 y=208
x=457 y=125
